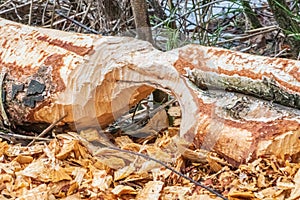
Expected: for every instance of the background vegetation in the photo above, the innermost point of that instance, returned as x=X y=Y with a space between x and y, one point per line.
x=261 y=27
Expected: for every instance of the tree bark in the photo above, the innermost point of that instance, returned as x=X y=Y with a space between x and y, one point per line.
x=141 y=19
x=93 y=80
x=271 y=79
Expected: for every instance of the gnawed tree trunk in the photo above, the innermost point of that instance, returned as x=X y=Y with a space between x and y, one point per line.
x=94 y=80
x=239 y=126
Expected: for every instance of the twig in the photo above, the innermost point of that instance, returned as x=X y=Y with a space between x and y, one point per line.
x=14 y=8
x=46 y=130
x=79 y=24
x=52 y=15
x=5 y=3
x=63 y=20
x=161 y=107
x=171 y=169
x=65 y=23
x=135 y=110
x=30 y=12
x=84 y=16
x=148 y=116
x=247 y=36
x=248 y=48
x=269 y=29
x=9 y=134
x=281 y=52
x=186 y=14
x=262 y=29
x=44 y=12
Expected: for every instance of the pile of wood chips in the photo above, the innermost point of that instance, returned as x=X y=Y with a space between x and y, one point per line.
x=64 y=168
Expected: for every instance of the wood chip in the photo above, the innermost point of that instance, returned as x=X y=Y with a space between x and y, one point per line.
x=151 y=191
x=123 y=189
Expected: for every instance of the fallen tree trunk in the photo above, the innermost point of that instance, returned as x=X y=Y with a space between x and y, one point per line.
x=272 y=79
x=238 y=126
x=93 y=80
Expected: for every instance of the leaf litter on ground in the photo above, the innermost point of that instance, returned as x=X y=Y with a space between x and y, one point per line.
x=66 y=168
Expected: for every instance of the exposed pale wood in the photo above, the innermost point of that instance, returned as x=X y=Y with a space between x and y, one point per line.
x=239 y=126
x=273 y=79
x=95 y=79
x=242 y=127
x=90 y=78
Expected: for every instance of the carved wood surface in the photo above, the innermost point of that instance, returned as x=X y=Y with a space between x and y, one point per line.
x=94 y=80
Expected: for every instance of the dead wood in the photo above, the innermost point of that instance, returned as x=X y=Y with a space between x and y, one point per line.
x=93 y=80
x=141 y=20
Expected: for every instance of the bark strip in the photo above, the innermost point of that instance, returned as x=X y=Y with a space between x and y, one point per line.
x=272 y=79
